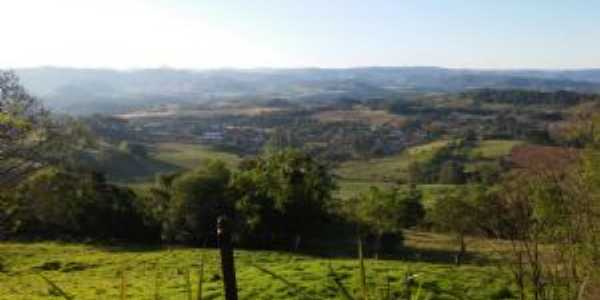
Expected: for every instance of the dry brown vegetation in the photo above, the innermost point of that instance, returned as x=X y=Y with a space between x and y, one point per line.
x=199 y=113
x=365 y=116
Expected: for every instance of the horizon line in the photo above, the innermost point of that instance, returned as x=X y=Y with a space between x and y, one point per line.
x=259 y=68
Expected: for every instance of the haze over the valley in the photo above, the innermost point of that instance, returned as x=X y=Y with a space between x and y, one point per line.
x=112 y=56
x=87 y=91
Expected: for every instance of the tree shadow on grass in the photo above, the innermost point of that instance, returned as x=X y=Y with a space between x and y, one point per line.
x=331 y=249
x=348 y=250
x=138 y=248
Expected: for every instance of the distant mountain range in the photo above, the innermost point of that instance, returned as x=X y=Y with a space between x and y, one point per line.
x=85 y=91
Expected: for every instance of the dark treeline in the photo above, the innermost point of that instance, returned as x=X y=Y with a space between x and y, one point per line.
x=279 y=200
x=58 y=204
x=270 y=198
x=528 y=97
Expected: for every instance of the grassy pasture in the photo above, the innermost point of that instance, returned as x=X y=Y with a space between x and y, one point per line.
x=431 y=192
x=387 y=169
x=163 y=157
x=348 y=189
x=171 y=157
x=492 y=149
x=393 y=168
x=88 y=272
x=129 y=168
x=189 y=156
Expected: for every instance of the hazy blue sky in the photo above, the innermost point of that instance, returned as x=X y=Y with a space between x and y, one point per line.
x=281 y=33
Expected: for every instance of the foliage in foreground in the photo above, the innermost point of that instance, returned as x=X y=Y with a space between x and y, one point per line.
x=30 y=137
x=58 y=204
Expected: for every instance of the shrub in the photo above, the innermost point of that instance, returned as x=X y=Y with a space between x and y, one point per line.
x=278 y=192
x=382 y=214
x=55 y=203
x=188 y=204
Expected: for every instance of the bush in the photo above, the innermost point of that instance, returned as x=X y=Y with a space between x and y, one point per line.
x=277 y=193
x=388 y=244
x=188 y=204
x=382 y=214
x=58 y=204
x=270 y=197
x=133 y=149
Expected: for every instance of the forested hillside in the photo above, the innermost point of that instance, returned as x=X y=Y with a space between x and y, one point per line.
x=88 y=91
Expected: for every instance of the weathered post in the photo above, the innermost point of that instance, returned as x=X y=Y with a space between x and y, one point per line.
x=227 y=264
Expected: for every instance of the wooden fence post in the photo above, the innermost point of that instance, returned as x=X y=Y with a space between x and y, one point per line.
x=227 y=263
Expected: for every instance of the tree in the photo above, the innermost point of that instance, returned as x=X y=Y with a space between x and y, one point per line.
x=29 y=138
x=488 y=173
x=548 y=210
x=7 y=210
x=281 y=139
x=279 y=191
x=384 y=213
x=49 y=204
x=457 y=212
x=452 y=172
x=416 y=173
x=157 y=201
x=191 y=202
x=57 y=203
x=133 y=149
x=114 y=212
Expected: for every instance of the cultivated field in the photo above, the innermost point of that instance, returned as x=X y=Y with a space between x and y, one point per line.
x=372 y=117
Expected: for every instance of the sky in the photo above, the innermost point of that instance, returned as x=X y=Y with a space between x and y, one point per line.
x=201 y=34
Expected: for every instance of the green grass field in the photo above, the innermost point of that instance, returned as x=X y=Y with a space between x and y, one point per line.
x=492 y=149
x=358 y=176
x=348 y=189
x=189 y=156
x=164 y=157
x=387 y=169
x=121 y=166
x=88 y=272
x=431 y=192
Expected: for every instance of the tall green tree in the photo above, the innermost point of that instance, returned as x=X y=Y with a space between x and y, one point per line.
x=30 y=138
x=191 y=202
x=458 y=212
x=451 y=172
x=548 y=211
x=56 y=203
x=381 y=213
x=280 y=190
